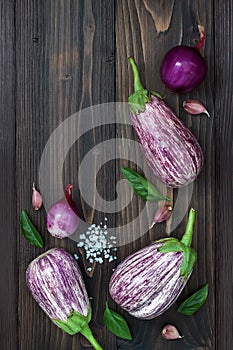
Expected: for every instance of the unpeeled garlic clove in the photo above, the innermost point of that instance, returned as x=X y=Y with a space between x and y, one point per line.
x=195 y=107
x=36 y=198
x=162 y=214
x=169 y=332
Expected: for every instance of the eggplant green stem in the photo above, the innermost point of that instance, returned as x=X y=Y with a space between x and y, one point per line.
x=188 y=235
x=137 y=81
x=87 y=333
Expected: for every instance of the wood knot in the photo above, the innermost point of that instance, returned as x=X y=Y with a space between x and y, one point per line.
x=65 y=77
x=110 y=58
x=35 y=39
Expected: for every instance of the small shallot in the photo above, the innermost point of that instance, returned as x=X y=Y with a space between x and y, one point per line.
x=36 y=198
x=170 y=332
x=194 y=107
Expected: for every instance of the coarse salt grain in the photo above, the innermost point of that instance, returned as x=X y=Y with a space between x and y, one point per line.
x=97 y=244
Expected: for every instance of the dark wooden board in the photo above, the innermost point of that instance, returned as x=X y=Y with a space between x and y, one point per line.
x=59 y=57
x=148 y=30
x=8 y=253
x=224 y=171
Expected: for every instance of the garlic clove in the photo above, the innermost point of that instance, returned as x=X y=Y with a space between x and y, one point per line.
x=162 y=214
x=195 y=107
x=36 y=198
x=170 y=332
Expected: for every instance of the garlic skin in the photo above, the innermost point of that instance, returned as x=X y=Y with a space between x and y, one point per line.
x=36 y=198
x=170 y=332
x=162 y=214
x=194 y=107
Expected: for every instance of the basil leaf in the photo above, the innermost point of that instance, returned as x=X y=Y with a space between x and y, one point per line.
x=29 y=231
x=116 y=324
x=142 y=187
x=194 y=302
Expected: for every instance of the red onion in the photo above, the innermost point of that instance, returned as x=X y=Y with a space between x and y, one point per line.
x=183 y=68
x=62 y=217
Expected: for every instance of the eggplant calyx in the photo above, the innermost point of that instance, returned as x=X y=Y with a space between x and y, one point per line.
x=138 y=100
x=189 y=255
x=75 y=322
x=155 y=93
x=174 y=245
x=141 y=96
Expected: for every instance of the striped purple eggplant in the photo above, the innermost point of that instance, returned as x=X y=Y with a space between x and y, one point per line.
x=171 y=150
x=149 y=281
x=57 y=285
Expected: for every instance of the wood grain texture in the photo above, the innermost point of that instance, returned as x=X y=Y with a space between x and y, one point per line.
x=8 y=257
x=147 y=32
x=58 y=57
x=224 y=170
x=64 y=63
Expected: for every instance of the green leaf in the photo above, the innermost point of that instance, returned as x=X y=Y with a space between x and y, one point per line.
x=138 y=100
x=75 y=322
x=166 y=239
x=189 y=259
x=116 y=324
x=154 y=93
x=172 y=245
x=194 y=302
x=29 y=231
x=189 y=255
x=142 y=187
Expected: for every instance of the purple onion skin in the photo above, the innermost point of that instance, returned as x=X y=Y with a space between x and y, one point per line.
x=183 y=69
x=57 y=285
x=61 y=219
x=170 y=148
x=147 y=282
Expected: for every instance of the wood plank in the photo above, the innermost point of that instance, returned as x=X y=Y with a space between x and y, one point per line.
x=224 y=159
x=65 y=62
x=65 y=56
x=9 y=228
x=147 y=30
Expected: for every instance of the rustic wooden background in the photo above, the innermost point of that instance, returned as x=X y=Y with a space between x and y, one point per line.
x=57 y=57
